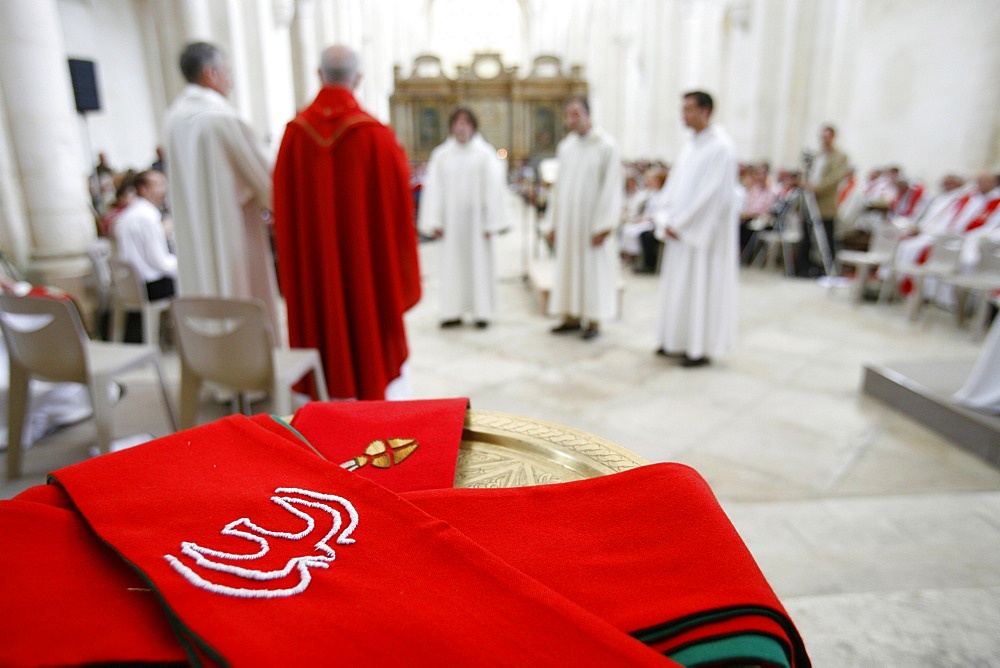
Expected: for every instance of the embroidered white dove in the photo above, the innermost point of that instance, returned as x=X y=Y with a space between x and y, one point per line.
x=241 y=565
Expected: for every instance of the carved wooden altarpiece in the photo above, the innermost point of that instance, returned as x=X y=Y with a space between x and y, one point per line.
x=521 y=115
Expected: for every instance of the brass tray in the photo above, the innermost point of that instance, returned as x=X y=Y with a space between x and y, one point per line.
x=504 y=450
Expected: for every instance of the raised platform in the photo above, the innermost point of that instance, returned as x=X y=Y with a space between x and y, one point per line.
x=922 y=390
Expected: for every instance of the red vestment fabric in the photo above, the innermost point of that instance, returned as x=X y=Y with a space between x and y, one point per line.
x=650 y=550
x=552 y=575
x=346 y=242
x=375 y=581
x=989 y=207
x=401 y=445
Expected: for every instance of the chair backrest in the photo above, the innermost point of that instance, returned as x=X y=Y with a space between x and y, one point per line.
x=99 y=252
x=945 y=253
x=989 y=256
x=129 y=290
x=45 y=336
x=227 y=341
x=885 y=238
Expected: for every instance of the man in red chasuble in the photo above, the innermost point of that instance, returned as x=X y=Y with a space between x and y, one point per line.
x=346 y=237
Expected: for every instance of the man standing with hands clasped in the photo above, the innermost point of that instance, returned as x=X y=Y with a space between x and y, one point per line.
x=698 y=218
x=586 y=204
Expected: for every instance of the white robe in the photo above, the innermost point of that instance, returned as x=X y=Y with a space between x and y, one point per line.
x=697 y=304
x=586 y=200
x=982 y=388
x=463 y=197
x=220 y=184
x=932 y=223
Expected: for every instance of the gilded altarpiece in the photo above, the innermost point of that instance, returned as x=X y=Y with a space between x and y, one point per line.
x=521 y=115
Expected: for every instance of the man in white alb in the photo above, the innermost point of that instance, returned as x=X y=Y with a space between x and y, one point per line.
x=220 y=183
x=697 y=218
x=586 y=204
x=462 y=204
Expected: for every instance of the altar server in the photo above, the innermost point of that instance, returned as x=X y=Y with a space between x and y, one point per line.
x=586 y=205
x=697 y=217
x=462 y=204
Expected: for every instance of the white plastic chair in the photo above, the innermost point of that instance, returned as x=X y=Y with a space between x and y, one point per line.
x=980 y=284
x=942 y=261
x=780 y=242
x=129 y=294
x=46 y=339
x=229 y=342
x=99 y=252
x=881 y=251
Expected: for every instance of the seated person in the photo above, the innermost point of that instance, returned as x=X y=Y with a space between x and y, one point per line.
x=760 y=198
x=141 y=239
x=124 y=194
x=968 y=212
x=637 y=232
x=910 y=201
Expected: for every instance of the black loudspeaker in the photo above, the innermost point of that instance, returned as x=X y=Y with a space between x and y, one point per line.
x=84 y=76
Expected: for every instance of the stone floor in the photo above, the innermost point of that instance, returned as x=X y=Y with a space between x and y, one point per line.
x=880 y=537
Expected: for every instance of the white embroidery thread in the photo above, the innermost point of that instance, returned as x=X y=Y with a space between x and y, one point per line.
x=208 y=559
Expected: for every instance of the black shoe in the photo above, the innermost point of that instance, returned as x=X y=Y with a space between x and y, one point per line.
x=662 y=352
x=692 y=362
x=566 y=326
x=445 y=324
x=590 y=333
x=482 y=324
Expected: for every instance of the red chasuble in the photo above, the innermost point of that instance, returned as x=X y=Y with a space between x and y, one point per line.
x=346 y=241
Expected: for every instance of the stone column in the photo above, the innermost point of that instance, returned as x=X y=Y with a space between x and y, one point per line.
x=46 y=141
x=305 y=52
x=196 y=21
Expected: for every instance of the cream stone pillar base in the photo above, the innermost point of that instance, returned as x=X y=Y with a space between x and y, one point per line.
x=46 y=143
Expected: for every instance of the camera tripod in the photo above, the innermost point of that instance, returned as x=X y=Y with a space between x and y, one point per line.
x=804 y=202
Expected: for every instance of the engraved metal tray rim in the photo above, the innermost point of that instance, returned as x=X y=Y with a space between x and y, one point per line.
x=506 y=450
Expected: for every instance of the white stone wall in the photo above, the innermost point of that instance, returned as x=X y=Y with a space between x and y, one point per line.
x=912 y=82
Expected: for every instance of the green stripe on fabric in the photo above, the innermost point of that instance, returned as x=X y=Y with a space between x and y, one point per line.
x=279 y=420
x=748 y=647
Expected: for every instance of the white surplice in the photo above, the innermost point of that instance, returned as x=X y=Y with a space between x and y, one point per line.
x=697 y=304
x=463 y=198
x=220 y=184
x=586 y=200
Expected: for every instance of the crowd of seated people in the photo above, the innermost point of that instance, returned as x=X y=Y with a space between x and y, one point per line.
x=961 y=212
x=961 y=207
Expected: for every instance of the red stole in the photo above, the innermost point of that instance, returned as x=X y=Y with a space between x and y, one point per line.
x=908 y=202
x=258 y=551
x=988 y=209
x=957 y=208
x=846 y=187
